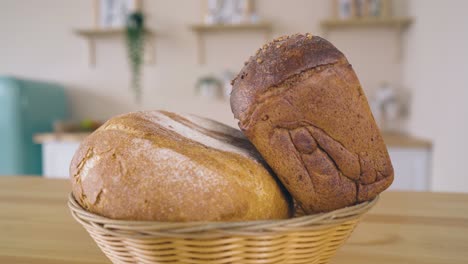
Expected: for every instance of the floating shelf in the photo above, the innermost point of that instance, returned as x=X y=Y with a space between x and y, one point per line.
x=91 y=34
x=202 y=29
x=226 y=27
x=101 y=32
x=397 y=23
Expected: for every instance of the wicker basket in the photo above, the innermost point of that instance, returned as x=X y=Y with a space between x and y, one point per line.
x=302 y=239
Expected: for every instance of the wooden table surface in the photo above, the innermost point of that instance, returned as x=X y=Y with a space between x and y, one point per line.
x=405 y=227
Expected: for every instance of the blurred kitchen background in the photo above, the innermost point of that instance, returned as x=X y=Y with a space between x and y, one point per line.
x=67 y=66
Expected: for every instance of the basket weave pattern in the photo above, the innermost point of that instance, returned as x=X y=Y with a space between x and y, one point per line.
x=302 y=239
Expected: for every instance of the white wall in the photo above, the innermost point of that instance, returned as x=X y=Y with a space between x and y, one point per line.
x=37 y=41
x=436 y=69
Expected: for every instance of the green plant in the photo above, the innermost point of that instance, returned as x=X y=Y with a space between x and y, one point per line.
x=135 y=47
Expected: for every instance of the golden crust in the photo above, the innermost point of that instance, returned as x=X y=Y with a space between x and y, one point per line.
x=140 y=166
x=304 y=110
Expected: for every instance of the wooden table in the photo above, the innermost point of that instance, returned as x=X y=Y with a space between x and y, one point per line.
x=36 y=228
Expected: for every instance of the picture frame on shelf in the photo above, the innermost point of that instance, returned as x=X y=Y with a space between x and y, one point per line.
x=114 y=13
x=345 y=9
x=230 y=12
x=378 y=8
x=352 y=9
x=360 y=7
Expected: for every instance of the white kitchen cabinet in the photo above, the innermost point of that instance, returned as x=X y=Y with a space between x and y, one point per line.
x=411 y=158
x=412 y=168
x=57 y=152
x=56 y=158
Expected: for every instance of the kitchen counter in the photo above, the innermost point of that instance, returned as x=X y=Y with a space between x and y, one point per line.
x=411 y=157
x=405 y=227
x=64 y=137
x=391 y=139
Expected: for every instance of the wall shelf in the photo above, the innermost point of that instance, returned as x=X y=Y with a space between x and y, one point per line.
x=202 y=29
x=266 y=26
x=92 y=34
x=397 y=23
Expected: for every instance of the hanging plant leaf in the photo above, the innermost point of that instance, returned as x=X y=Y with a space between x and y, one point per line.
x=135 y=48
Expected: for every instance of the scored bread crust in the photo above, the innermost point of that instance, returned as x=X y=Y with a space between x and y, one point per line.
x=300 y=103
x=163 y=166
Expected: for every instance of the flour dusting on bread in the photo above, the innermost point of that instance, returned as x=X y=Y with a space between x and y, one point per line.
x=193 y=134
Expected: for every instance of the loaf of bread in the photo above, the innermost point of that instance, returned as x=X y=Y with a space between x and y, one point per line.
x=163 y=166
x=300 y=103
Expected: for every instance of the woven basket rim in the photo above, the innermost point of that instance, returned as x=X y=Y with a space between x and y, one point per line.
x=177 y=229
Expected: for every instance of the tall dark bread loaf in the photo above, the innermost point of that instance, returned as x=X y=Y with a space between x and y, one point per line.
x=168 y=167
x=300 y=103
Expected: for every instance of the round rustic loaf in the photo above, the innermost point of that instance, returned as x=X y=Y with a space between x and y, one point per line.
x=300 y=103
x=168 y=167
